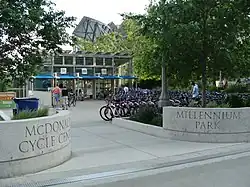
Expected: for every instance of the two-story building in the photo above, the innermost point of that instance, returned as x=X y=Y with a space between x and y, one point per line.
x=91 y=72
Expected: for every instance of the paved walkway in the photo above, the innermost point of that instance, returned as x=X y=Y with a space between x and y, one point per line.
x=99 y=146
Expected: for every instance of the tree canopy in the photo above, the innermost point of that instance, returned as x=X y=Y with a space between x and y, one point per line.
x=133 y=42
x=199 y=37
x=196 y=38
x=29 y=29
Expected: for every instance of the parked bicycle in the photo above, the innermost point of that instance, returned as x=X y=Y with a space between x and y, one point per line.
x=72 y=99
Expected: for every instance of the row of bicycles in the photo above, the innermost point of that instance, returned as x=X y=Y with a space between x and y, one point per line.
x=123 y=104
x=123 y=108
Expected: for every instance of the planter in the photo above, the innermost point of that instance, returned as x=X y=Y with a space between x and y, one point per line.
x=214 y=125
x=33 y=145
x=140 y=127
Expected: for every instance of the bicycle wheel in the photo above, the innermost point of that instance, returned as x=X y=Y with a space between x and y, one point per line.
x=108 y=112
x=102 y=113
x=122 y=112
x=119 y=112
x=74 y=102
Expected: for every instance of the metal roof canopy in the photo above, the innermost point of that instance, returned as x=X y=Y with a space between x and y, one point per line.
x=95 y=54
x=90 y=29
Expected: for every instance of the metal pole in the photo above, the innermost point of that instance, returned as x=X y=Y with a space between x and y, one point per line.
x=164 y=98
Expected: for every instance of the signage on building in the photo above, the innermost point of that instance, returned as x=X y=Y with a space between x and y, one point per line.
x=63 y=71
x=84 y=71
x=104 y=71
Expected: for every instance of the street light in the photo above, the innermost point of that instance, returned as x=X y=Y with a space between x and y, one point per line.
x=164 y=97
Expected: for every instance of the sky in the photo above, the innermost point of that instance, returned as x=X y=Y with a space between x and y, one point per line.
x=105 y=11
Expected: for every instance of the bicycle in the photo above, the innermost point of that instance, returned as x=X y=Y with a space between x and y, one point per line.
x=196 y=102
x=72 y=99
x=110 y=111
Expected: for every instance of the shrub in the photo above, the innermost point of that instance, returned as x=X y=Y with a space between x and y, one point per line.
x=26 y=114
x=214 y=89
x=234 y=101
x=237 y=88
x=224 y=105
x=247 y=102
x=148 y=115
x=157 y=120
x=212 y=104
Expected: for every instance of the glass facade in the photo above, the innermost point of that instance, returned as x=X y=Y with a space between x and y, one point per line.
x=89 y=61
x=90 y=71
x=68 y=60
x=46 y=70
x=69 y=70
x=79 y=60
x=108 y=61
x=85 y=65
x=58 y=60
x=99 y=61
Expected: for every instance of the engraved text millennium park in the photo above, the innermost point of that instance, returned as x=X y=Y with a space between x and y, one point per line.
x=207 y=120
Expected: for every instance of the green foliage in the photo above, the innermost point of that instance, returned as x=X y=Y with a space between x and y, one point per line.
x=237 y=88
x=247 y=102
x=215 y=105
x=26 y=114
x=235 y=101
x=157 y=120
x=29 y=30
x=135 y=44
x=148 y=115
x=197 y=38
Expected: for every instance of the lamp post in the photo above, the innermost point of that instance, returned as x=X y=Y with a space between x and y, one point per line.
x=164 y=97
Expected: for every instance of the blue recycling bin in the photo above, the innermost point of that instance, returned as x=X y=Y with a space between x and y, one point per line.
x=26 y=103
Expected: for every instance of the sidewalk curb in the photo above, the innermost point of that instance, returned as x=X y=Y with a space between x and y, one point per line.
x=144 y=166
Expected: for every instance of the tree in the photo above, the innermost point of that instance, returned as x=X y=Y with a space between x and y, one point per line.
x=29 y=29
x=133 y=43
x=199 y=37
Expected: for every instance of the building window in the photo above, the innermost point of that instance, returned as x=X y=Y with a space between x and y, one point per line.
x=89 y=61
x=99 y=61
x=47 y=61
x=68 y=60
x=108 y=61
x=109 y=71
x=46 y=70
x=58 y=60
x=79 y=60
x=98 y=70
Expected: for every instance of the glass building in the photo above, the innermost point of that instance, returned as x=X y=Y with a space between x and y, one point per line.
x=91 y=72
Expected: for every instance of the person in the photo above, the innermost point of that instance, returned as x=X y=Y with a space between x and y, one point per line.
x=195 y=91
x=125 y=89
x=56 y=94
x=225 y=83
x=65 y=97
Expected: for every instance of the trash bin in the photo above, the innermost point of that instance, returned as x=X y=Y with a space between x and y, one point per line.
x=26 y=103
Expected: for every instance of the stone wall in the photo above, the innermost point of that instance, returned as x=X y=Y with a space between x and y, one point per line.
x=224 y=125
x=32 y=145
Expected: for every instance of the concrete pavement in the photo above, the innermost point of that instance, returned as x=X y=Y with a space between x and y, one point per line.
x=100 y=149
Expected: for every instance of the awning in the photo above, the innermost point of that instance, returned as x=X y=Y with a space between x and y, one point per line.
x=43 y=77
x=128 y=77
x=110 y=77
x=67 y=77
x=89 y=77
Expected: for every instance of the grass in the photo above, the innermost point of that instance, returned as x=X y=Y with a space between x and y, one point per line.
x=27 y=114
